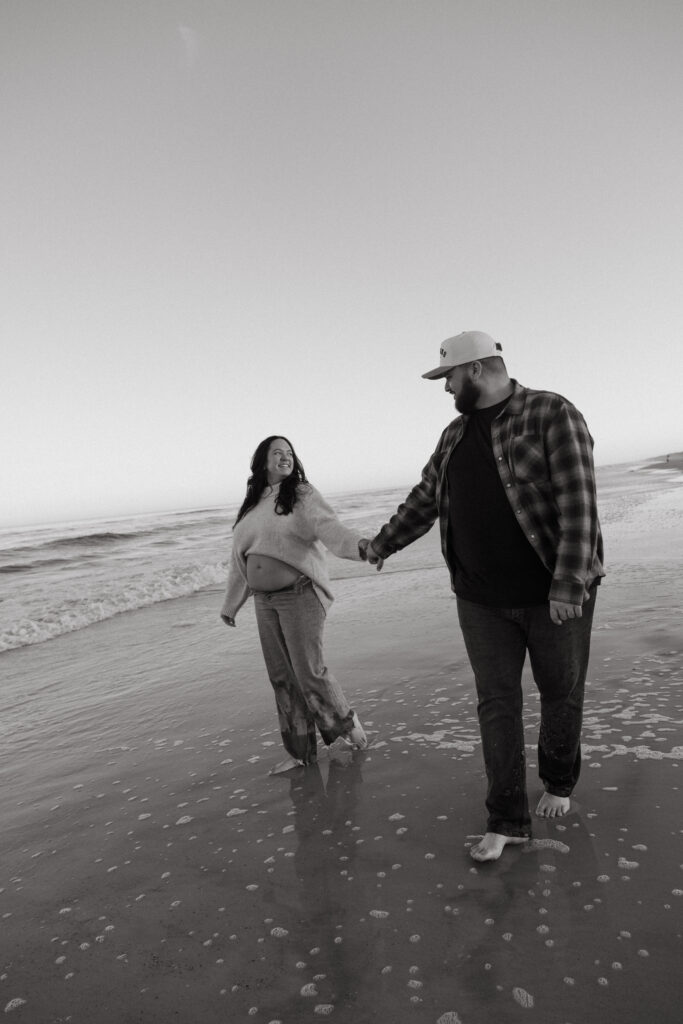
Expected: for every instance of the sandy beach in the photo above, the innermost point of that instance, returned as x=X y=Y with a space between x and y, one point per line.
x=153 y=871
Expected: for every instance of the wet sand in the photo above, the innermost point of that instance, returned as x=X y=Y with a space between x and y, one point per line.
x=153 y=871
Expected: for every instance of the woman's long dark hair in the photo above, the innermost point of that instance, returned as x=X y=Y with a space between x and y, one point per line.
x=258 y=481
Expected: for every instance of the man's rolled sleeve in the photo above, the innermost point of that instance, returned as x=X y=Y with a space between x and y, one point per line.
x=413 y=518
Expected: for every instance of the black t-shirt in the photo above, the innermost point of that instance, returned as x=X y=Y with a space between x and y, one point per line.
x=494 y=563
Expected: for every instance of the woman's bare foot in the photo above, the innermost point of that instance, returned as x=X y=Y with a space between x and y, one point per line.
x=356 y=738
x=551 y=806
x=493 y=844
x=285 y=766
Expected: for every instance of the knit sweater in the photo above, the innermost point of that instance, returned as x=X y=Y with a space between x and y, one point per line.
x=296 y=539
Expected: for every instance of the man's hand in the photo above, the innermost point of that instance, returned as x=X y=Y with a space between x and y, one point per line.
x=560 y=612
x=372 y=556
x=228 y=621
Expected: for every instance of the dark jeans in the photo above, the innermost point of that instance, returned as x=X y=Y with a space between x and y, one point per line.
x=497 y=640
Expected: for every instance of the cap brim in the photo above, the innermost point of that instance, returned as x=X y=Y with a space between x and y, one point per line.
x=440 y=371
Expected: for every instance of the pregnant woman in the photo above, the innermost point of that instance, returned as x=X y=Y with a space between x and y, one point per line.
x=278 y=557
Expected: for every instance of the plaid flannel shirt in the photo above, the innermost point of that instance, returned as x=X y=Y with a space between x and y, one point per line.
x=544 y=455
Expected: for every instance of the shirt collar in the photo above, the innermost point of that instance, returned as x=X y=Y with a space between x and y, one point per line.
x=515 y=405
x=517 y=399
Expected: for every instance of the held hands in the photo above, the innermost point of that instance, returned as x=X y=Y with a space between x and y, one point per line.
x=371 y=555
x=560 y=611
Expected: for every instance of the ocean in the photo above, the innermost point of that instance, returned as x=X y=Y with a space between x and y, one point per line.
x=58 y=578
x=63 y=577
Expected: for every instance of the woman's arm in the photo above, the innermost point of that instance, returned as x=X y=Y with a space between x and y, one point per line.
x=327 y=527
x=236 y=593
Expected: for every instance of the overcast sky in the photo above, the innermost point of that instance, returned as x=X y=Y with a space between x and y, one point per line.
x=223 y=219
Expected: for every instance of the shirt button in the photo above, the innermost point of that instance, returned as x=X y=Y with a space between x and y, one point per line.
x=533 y=536
x=500 y=458
x=519 y=511
x=508 y=485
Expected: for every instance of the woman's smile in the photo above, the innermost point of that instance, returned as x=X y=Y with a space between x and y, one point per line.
x=280 y=462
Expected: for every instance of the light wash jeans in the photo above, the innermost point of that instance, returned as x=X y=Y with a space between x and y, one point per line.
x=497 y=641
x=290 y=624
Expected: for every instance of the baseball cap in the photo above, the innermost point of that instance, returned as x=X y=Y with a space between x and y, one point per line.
x=464 y=348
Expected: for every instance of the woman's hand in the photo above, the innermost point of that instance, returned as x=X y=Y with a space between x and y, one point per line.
x=228 y=621
x=370 y=555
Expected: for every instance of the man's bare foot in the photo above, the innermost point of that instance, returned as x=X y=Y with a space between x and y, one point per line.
x=285 y=766
x=551 y=806
x=356 y=738
x=493 y=844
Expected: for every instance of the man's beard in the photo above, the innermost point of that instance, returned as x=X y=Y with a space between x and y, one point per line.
x=466 y=401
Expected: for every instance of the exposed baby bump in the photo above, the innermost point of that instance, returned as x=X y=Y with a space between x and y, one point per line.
x=267 y=573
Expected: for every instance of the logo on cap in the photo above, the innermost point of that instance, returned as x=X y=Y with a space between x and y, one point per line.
x=442 y=352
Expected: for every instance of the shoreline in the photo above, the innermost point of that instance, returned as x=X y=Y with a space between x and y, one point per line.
x=152 y=870
x=83 y=584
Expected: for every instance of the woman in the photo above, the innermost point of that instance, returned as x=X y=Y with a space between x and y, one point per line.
x=278 y=557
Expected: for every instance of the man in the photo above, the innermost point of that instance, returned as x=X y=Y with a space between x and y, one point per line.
x=513 y=486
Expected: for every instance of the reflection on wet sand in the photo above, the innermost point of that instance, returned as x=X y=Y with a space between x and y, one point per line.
x=153 y=870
